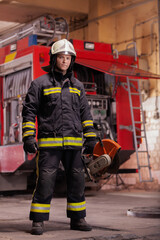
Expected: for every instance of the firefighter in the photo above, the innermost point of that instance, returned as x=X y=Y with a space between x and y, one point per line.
x=65 y=125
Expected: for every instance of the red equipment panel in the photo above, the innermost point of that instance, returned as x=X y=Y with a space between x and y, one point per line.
x=40 y=58
x=11 y=156
x=125 y=136
x=116 y=68
x=1 y=110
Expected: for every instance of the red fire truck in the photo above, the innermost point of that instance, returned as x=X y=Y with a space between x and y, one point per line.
x=104 y=72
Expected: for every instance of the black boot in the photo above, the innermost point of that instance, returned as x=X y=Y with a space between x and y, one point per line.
x=80 y=224
x=37 y=228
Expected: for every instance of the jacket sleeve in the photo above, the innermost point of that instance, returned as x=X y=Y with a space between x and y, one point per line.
x=86 y=117
x=29 y=112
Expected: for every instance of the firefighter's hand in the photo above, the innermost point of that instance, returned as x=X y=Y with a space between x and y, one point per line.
x=89 y=145
x=30 y=145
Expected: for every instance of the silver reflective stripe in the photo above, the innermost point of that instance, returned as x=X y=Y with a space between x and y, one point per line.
x=87 y=123
x=52 y=90
x=28 y=125
x=49 y=142
x=73 y=141
x=75 y=90
x=40 y=208
x=54 y=142
x=90 y=134
x=76 y=206
x=28 y=133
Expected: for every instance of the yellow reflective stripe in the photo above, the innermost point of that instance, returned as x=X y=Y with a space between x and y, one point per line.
x=40 y=205
x=48 y=91
x=50 y=142
x=28 y=125
x=72 y=141
x=40 y=211
x=76 y=209
x=90 y=134
x=54 y=142
x=41 y=208
x=76 y=206
x=28 y=133
x=75 y=90
x=87 y=123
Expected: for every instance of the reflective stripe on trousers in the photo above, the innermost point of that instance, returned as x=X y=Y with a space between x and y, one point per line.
x=76 y=206
x=40 y=208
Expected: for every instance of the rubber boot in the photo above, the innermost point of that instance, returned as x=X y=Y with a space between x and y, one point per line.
x=80 y=224
x=37 y=228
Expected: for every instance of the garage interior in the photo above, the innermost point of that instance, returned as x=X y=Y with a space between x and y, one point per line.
x=127 y=25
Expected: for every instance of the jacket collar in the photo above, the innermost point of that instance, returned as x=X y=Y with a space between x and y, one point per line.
x=59 y=77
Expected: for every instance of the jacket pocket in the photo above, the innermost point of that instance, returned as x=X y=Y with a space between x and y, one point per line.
x=78 y=127
x=49 y=106
x=75 y=102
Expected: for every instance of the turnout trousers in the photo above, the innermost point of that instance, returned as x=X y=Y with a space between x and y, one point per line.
x=47 y=166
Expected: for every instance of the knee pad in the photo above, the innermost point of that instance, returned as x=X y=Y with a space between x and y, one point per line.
x=46 y=182
x=76 y=182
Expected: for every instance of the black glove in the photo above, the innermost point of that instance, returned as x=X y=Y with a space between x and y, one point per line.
x=89 y=145
x=30 y=145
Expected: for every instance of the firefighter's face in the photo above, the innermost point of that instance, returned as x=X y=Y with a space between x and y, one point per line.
x=63 y=63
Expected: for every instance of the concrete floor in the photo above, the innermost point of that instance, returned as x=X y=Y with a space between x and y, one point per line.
x=106 y=212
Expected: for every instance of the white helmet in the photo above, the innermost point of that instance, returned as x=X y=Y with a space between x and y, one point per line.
x=63 y=46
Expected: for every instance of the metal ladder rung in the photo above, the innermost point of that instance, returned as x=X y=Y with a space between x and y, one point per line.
x=141 y=130
x=139 y=122
x=136 y=107
x=43 y=35
x=148 y=180
x=145 y=152
x=132 y=93
x=142 y=151
x=144 y=166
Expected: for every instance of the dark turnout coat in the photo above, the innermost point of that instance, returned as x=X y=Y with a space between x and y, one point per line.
x=62 y=112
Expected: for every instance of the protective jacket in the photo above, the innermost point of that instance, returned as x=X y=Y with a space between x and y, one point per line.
x=62 y=111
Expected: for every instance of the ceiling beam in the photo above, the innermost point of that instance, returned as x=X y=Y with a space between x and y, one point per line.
x=77 y=6
x=22 y=11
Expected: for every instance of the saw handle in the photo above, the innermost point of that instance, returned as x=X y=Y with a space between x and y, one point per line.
x=101 y=144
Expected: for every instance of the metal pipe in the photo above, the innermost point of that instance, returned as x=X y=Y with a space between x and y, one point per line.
x=157 y=114
x=16 y=35
x=138 y=24
x=159 y=30
x=135 y=49
x=151 y=35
